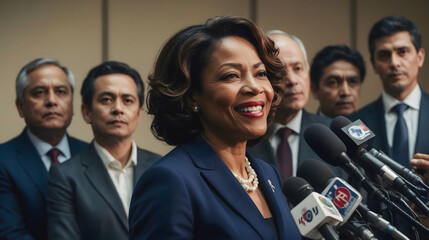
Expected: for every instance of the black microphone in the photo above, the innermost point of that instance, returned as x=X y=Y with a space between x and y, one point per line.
x=313 y=213
x=356 y=136
x=345 y=200
x=403 y=171
x=332 y=150
x=340 y=122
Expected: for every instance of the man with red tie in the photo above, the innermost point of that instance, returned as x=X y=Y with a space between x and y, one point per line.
x=285 y=145
x=44 y=91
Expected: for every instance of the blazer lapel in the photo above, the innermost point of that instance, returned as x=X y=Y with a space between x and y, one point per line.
x=218 y=175
x=304 y=151
x=99 y=178
x=29 y=159
x=138 y=171
x=423 y=127
x=266 y=184
x=380 y=124
x=141 y=166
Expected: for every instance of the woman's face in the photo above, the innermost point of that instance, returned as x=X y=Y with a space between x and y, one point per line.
x=236 y=94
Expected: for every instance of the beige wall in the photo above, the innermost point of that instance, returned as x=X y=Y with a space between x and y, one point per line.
x=66 y=30
x=71 y=31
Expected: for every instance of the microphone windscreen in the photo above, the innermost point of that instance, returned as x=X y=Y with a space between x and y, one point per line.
x=338 y=123
x=296 y=189
x=316 y=172
x=324 y=142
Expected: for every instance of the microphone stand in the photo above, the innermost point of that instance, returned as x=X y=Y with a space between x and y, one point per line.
x=379 y=196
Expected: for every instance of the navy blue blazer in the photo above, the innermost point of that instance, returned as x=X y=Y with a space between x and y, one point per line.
x=23 y=186
x=372 y=115
x=191 y=194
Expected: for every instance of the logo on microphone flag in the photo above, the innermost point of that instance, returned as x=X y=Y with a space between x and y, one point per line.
x=314 y=211
x=343 y=196
x=359 y=131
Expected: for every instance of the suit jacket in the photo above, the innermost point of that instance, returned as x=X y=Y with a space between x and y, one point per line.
x=82 y=200
x=372 y=116
x=23 y=186
x=264 y=151
x=192 y=194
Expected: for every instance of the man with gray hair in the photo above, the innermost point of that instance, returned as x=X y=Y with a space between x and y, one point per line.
x=44 y=91
x=285 y=145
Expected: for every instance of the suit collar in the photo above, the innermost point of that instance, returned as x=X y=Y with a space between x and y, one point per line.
x=217 y=174
x=98 y=176
x=43 y=147
x=29 y=159
x=107 y=158
x=273 y=195
x=378 y=125
x=294 y=124
x=75 y=146
x=412 y=100
x=423 y=126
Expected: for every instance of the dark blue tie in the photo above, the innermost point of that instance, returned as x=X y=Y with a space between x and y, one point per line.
x=400 y=151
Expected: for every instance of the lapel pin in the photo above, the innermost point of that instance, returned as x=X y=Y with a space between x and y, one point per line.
x=272 y=186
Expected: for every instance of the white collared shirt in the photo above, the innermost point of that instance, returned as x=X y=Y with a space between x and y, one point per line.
x=411 y=117
x=293 y=139
x=122 y=177
x=43 y=148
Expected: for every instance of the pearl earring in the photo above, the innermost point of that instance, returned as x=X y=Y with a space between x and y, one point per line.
x=196 y=109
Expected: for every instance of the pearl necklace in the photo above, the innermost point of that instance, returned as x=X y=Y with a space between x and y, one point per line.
x=253 y=178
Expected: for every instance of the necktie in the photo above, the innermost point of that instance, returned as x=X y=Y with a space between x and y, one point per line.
x=400 y=151
x=284 y=154
x=53 y=154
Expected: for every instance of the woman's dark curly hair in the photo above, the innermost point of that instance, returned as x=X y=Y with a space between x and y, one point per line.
x=178 y=69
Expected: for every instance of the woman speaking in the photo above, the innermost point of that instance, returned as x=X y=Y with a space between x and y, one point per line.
x=211 y=91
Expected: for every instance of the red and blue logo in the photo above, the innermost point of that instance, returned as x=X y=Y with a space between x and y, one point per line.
x=359 y=131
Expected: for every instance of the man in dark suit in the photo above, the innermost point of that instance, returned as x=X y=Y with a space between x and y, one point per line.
x=89 y=196
x=399 y=117
x=291 y=114
x=397 y=56
x=336 y=74
x=44 y=92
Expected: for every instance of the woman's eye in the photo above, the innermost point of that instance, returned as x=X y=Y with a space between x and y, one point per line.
x=262 y=74
x=230 y=76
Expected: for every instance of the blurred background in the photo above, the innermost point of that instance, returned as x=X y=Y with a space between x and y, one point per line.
x=83 y=33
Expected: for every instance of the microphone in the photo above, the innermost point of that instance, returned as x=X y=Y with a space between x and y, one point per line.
x=403 y=171
x=313 y=213
x=340 y=122
x=356 y=136
x=345 y=198
x=332 y=150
